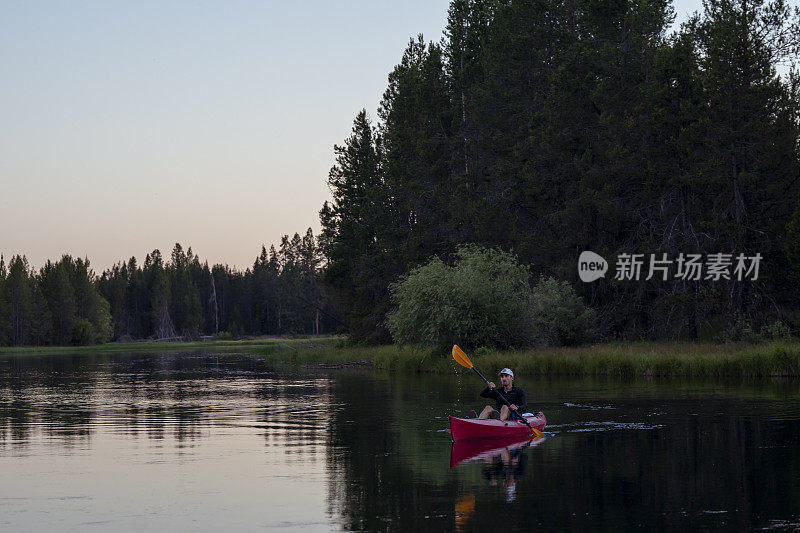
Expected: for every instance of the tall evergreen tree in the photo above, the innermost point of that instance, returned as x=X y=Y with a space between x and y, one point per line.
x=60 y=295
x=5 y=317
x=351 y=225
x=18 y=295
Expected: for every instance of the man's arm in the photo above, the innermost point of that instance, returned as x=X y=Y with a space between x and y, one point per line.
x=488 y=393
x=523 y=401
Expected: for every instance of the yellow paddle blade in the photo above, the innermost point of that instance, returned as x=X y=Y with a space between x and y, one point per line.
x=537 y=434
x=460 y=357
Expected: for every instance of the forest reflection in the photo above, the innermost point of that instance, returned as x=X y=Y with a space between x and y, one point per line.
x=670 y=454
x=179 y=396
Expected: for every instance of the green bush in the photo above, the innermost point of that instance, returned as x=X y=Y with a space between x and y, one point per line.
x=482 y=300
x=82 y=332
x=740 y=330
x=777 y=331
x=558 y=315
x=96 y=329
x=100 y=319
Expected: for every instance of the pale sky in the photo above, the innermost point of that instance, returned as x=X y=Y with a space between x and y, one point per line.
x=129 y=126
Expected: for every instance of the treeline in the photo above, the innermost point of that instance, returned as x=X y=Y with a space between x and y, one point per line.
x=165 y=298
x=548 y=128
x=60 y=304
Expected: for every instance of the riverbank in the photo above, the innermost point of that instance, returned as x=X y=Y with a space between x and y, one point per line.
x=257 y=345
x=622 y=359
x=631 y=359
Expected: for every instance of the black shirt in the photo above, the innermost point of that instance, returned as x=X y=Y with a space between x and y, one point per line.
x=515 y=396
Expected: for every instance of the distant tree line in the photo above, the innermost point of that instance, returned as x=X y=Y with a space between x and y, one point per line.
x=179 y=297
x=546 y=128
x=60 y=304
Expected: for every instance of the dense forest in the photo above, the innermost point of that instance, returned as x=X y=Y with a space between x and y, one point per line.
x=178 y=297
x=539 y=128
x=548 y=128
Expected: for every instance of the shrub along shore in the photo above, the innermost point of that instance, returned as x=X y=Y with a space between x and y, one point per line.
x=618 y=359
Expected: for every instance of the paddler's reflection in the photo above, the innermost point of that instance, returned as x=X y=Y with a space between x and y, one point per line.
x=504 y=468
x=504 y=460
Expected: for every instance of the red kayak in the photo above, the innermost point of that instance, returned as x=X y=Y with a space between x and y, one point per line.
x=478 y=428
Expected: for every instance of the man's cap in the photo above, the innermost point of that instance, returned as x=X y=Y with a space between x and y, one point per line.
x=506 y=371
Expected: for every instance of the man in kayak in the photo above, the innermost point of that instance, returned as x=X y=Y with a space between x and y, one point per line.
x=514 y=395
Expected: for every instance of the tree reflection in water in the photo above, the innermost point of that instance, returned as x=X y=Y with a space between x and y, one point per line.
x=156 y=396
x=375 y=446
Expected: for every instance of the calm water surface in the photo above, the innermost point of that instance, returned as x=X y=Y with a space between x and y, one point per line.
x=208 y=442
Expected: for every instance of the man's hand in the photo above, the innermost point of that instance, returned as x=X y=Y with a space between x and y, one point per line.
x=513 y=407
x=491 y=385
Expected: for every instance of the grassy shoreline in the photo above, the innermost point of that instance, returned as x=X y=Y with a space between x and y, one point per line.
x=249 y=345
x=628 y=359
x=639 y=359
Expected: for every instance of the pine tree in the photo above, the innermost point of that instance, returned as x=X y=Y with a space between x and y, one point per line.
x=59 y=293
x=5 y=317
x=351 y=224
x=18 y=295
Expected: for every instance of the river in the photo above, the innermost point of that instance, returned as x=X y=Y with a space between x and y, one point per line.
x=209 y=442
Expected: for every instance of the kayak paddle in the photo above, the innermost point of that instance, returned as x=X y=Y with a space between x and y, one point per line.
x=462 y=359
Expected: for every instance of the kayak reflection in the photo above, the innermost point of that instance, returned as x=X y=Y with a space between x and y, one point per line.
x=504 y=459
x=472 y=450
